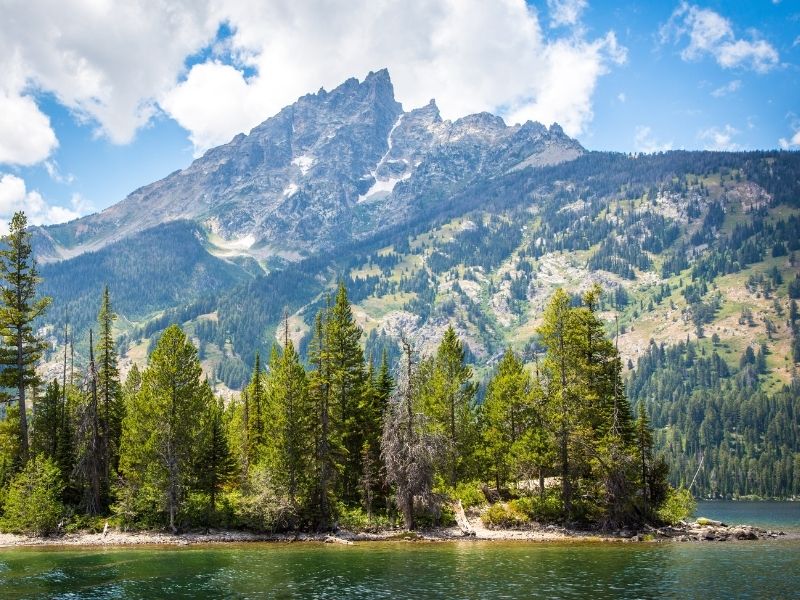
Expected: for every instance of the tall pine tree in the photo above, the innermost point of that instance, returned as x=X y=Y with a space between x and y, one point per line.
x=19 y=307
x=109 y=391
x=160 y=432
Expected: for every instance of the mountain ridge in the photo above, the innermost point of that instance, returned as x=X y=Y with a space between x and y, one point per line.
x=321 y=170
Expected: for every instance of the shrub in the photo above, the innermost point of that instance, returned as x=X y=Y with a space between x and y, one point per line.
x=503 y=516
x=470 y=494
x=543 y=510
x=32 y=503
x=679 y=505
x=356 y=519
x=262 y=507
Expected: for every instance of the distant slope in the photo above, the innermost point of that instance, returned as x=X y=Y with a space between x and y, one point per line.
x=157 y=269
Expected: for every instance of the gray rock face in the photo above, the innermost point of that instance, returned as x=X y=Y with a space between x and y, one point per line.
x=332 y=167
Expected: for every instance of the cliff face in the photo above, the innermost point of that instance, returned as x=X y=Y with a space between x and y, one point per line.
x=332 y=167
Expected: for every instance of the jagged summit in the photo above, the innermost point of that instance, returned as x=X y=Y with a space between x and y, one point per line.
x=334 y=166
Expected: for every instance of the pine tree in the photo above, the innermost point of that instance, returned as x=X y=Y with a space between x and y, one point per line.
x=256 y=407
x=644 y=446
x=109 y=391
x=504 y=415
x=290 y=444
x=324 y=427
x=19 y=308
x=345 y=367
x=215 y=464
x=160 y=428
x=449 y=397
x=558 y=332
x=46 y=422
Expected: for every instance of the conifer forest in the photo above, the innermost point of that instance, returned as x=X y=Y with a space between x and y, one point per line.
x=329 y=436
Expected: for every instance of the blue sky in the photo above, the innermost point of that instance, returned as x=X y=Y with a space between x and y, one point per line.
x=98 y=100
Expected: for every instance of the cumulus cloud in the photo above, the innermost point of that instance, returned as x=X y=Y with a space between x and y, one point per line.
x=107 y=61
x=470 y=55
x=644 y=141
x=711 y=34
x=26 y=136
x=565 y=12
x=728 y=88
x=719 y=138
x=143 y=57
x=14 y=196
x=792 y=141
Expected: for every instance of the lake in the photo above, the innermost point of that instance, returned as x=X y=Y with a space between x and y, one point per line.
x=494 y=570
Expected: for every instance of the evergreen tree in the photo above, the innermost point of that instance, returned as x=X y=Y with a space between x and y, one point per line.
x=345 y=366
x=256 y=407
x=290 y=441
x=215 y=463
x=504 y=415
x=371 y=413
x=90 y=466
x=449 y=397
x=559 y=331
x=109 y=391
x=160 y=429
x=46 y=422
x=644 y=446
x=326 y=442
x=19 y=308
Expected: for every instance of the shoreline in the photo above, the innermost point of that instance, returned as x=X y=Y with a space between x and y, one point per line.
x=689 y=532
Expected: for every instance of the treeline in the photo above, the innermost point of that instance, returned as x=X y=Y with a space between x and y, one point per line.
x=336 y=441
x=703 y=410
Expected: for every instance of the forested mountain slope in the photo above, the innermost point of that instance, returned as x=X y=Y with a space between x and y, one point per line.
x=473 y=223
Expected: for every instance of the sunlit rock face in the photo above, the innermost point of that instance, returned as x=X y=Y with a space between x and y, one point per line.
x=331 y=168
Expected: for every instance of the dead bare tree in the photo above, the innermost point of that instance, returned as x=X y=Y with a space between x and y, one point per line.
x=89 y=467
x=409 y=448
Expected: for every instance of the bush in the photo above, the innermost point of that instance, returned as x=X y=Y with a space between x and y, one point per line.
x=262 y=507
x=32 y=503
x=355 y=519
x=679 y=505
x=543 y=510
x=503 y=516
x=470 y=494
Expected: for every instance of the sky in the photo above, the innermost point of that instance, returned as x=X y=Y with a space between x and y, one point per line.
x=100 y=97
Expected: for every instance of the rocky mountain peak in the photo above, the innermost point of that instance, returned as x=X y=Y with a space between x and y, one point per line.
x=290 y=186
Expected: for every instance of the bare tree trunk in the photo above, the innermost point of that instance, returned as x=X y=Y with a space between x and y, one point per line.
x=408 y=511
x=23 y=414
x=541 y=482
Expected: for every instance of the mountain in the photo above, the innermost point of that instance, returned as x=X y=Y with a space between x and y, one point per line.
x=332 y=166
x=472 y=223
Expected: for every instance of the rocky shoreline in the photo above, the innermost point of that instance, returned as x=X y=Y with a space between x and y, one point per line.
x=703 y=530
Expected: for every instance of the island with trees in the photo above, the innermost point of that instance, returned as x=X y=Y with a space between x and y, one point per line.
x=334 y=440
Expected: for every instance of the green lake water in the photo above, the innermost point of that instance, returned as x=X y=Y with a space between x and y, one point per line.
x=494 y=570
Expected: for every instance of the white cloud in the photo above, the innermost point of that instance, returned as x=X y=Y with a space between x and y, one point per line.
x=644 y=141
x=470 y=55
x=25 y=133
x=565 y=12
x=728 y=88
x=709 y=33
x=622 y=97
x=719 y=138
x=107 y=61
x=14 y=196
x=53 y=171
x=793 y=141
